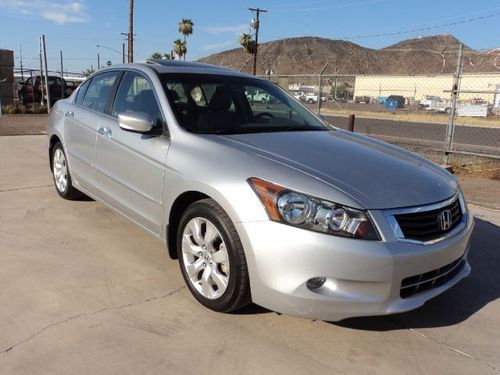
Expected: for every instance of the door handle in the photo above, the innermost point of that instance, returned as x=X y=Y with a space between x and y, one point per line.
x=69 y=114
x=105 y=131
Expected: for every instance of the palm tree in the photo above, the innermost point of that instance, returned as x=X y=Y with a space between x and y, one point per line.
x=248 y=43
x=179 y=48
x=159 y=56
x=186 y=29
x=155 y=56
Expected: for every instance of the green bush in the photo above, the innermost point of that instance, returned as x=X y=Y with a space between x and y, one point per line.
x=13 y=109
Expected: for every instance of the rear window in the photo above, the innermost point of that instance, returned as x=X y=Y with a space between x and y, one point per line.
x=81 y=92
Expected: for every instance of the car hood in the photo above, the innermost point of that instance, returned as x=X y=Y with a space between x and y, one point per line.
x=377 y=175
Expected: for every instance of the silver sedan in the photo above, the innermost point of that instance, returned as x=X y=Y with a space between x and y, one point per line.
x=261 y=201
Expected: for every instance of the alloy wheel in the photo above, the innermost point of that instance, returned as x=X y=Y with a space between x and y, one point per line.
x=60 y=170
x=205 y=258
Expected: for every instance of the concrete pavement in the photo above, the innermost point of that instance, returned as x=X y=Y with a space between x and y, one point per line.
x=82 y=291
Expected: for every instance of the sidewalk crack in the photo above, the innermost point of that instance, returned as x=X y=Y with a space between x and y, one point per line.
x=77 y=316
x=444 y=345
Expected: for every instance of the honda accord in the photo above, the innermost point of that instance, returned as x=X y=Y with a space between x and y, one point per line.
x=261 y=202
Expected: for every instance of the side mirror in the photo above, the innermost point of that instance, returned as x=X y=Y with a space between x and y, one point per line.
x=139 y=122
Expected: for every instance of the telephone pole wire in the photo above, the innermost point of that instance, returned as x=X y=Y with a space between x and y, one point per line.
x=255 y=26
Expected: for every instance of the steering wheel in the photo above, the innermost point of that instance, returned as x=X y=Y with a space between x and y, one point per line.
x=263 y=114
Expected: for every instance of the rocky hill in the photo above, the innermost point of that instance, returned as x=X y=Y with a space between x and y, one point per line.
x=426 y=55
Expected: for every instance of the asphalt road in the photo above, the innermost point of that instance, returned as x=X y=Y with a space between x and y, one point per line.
x=82 y=291
x=467 y=138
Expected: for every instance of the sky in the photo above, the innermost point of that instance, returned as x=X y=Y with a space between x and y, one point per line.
x=77 y=26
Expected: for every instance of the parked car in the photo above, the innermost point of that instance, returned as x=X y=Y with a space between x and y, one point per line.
x=311 y=98
x=269 y=205
x=362 y=99
x=32 y=89
x=296 y=94
x=394 y=102
x=381 y=99
x=435 y=103
x=258 y=97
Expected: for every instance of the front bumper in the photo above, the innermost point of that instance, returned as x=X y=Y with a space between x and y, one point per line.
x=362 y=277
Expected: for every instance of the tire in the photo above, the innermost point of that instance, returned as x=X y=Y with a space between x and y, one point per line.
x=218 y=280
x=61 y=174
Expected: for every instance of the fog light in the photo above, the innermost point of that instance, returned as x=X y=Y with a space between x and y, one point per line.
x=315 y=282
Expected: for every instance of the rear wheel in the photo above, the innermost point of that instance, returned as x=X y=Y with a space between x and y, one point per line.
x=211 y=257
x=60 y=172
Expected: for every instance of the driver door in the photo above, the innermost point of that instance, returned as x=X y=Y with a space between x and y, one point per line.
x=130 y=166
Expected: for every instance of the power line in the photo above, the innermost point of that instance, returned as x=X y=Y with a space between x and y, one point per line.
x=427 y=28
x=299 y=3
x=346 y=5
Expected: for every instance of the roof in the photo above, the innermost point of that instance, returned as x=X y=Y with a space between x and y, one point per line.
x=175 y=66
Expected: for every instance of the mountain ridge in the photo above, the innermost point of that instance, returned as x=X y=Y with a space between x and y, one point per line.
x=308 y=55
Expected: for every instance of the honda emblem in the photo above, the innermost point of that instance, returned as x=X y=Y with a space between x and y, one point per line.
x=444 y=219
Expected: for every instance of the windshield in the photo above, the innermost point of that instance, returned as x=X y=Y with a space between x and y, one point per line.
x=213 y=104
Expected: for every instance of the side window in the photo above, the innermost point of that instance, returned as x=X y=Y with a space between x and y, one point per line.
x=135 y=94
x=98 y=92
x=259 y=100
x=55 y=81
x=81 y=92
x=37 y=80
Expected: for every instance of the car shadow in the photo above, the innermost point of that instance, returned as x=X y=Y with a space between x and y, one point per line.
x=251 y=309
x=460 y=302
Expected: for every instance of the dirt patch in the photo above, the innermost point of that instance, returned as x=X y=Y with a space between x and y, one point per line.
x=23 y=124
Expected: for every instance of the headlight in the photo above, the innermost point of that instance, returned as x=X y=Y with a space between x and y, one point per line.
x=303 y=211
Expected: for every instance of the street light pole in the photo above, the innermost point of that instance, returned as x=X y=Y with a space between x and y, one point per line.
x=256 y=26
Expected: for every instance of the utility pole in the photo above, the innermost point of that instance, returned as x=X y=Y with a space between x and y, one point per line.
x=126 y=35
x=98 y=61
x=21 y=61
x=42 y=101
x=46 y=72
x=131 y=32
x=62 y=75
x=255 y=26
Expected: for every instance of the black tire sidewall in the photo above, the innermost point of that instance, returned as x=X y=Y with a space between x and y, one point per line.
x=202 y=209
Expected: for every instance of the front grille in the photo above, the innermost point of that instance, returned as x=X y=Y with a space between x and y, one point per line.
x=425 y=226
x=429 y=280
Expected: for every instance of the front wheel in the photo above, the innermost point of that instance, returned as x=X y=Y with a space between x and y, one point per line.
x=211 y=257
x=60 y=172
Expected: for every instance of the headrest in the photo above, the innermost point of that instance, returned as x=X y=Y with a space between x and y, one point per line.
x=221 y=100
x=173 y=95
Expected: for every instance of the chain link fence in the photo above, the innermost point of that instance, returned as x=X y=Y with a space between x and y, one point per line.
x=452 y=118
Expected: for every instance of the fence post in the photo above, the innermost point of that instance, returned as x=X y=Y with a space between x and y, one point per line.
x=350 y=123
x=450 y=129
x=319 y=86
x=46 y=73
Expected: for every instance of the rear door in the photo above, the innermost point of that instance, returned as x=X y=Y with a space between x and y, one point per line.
x=130 y=166
x=80 y=128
